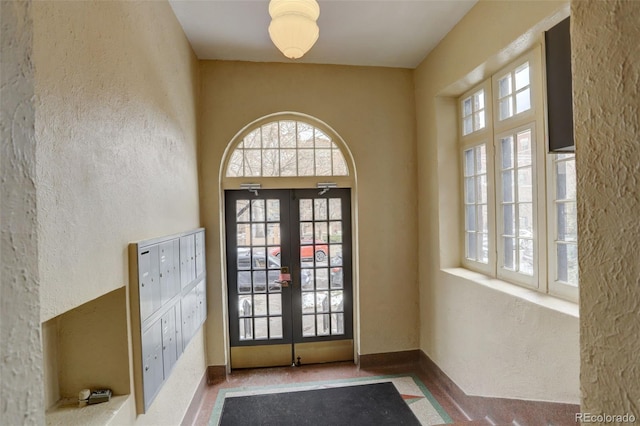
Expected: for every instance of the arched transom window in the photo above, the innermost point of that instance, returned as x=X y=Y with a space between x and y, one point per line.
x=287 y=148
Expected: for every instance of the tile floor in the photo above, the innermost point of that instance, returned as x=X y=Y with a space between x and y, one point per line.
x=309 y=373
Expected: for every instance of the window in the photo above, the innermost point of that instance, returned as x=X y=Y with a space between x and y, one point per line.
x=477 y=162
x=563 y=244
x=516 y=196
x=519 y=210
x=514 y=92
x=286 y=148
x=473 y=113
x=475 y=204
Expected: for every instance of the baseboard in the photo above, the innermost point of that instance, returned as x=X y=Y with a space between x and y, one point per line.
x=448 y=386
x=498 y=410
x=216 y=374
x=196 y=401
x=484 y=410
x=389 y=358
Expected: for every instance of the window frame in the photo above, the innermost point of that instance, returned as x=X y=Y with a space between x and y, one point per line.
x=489 y=267
x=533 y=57
x=543 y=180
x=472 y=140
x=502 y=272
x=484 y=88
x=240 y=149
x=556 y=287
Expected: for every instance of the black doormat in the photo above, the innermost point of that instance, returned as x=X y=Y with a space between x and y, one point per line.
x=361 y=405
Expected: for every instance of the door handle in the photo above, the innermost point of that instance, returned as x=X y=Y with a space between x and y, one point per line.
x=285 y=277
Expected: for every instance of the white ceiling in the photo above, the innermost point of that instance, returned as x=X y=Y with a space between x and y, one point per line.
x=388 y=33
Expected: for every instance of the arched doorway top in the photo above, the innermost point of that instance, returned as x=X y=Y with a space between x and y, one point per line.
x=287 y=145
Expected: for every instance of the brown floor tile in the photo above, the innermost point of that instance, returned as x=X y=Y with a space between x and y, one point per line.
x=463 y=409
x=311 y=373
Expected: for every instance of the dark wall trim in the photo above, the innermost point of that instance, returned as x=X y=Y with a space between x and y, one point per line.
x=459 y=405
x=216 y=374
x=389 y=358
x=497 y=410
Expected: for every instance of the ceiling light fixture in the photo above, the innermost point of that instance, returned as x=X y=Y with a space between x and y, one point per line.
x=293 y=27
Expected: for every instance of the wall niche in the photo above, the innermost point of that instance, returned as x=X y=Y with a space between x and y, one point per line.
x=87 y=348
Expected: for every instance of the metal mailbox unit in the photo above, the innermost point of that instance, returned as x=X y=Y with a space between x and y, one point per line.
x=167 y=287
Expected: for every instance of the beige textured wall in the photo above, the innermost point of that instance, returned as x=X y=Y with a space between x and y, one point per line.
x=116 y=87
x=372 y=109
x=606 y=74
x=489 y=341
x=21 y=395
x=50 y=350
x=92 y=350
x=116 y=99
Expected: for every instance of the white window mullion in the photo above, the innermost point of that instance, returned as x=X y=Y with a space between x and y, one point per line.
x=516 y=198
x=475 y=128
x=563 y=239
x=530 y=234
x=515 y=93
x=286 y=148
x=470 y=185
x=476 y=215
x=473 y=112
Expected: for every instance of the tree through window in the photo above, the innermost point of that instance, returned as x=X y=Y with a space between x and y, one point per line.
x=286 y=148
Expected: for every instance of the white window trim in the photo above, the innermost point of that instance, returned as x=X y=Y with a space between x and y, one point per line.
x=490 y=266
x=503 y=273
x=486 y=89
x=484 y=133
x=332 y=147
x=473 y=139
x=534 y=57
x=543 y=279
x=556 y=287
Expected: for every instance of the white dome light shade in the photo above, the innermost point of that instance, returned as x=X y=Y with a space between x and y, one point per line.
x=293 y=27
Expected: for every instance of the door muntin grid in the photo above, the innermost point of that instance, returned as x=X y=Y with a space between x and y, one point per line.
x=258 y=303
x=309 y=233
x=324 y=296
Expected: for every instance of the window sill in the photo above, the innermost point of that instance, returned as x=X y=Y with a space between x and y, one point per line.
x=532 y=296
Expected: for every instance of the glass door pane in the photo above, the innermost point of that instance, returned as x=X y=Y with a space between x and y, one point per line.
x=289 y=276
x=324 y=236
x=259 y=305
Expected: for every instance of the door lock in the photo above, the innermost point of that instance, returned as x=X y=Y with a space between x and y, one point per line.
x=285 y=277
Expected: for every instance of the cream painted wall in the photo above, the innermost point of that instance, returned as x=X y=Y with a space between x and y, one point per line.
x=21 y=369
x=606 y=73
x=490 y=342
x=372 y=109
x=116 y=127
x=105 y=97
x=50 y=372
x=91 y=350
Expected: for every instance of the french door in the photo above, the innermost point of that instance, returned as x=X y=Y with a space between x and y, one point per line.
x=289 y=276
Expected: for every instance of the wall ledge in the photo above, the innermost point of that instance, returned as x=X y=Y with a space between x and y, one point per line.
x=67 y=412
x=544 y=300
